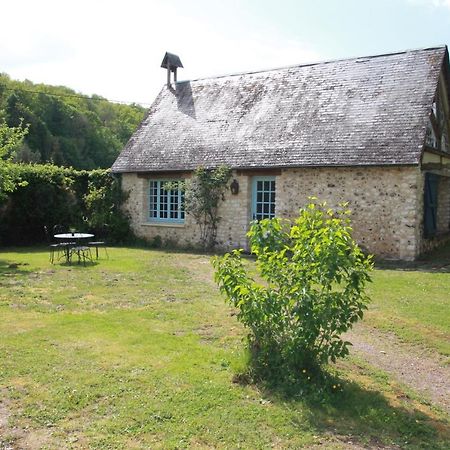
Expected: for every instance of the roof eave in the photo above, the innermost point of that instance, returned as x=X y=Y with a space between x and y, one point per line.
x=303 y=166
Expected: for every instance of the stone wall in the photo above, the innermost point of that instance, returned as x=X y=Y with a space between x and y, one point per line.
x=234 y=213
x=384 y=203
x=137 y=206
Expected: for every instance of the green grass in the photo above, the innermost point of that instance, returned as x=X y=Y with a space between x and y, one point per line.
x=415 y=305
x=139 y=351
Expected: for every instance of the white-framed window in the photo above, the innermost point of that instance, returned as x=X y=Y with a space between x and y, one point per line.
x=263 y=198
x=166 y=201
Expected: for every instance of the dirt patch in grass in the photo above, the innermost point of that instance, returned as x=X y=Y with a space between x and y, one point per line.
x=338 y=442
x=198 y=267
x=420 y=369
x=33 y=439
x=6 y=438
x=14 y=438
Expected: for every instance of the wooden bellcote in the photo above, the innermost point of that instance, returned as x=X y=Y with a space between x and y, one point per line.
x=171 y=62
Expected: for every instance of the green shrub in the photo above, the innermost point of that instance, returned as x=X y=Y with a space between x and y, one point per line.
x=103 y=200
x=315 y=276
x=49 y=195
x=10 y=140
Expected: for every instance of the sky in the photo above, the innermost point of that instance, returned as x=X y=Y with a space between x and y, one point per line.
x=114 y=48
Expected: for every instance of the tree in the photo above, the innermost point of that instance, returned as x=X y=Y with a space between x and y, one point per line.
x=65 y=127
x=315 y=275
x=10 y=140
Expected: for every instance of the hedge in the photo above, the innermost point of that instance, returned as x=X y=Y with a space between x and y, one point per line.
x=51 y=195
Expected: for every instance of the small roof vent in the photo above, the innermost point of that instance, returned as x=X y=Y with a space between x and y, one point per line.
x=171 y=62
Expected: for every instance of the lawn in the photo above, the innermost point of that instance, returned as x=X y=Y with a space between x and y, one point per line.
x=140 y=351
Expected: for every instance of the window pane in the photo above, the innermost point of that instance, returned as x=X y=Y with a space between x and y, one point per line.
x=165 y=204
x=173 y=204
x=264 y=199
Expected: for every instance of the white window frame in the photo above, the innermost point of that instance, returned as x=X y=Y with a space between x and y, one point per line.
x=263 y=202
x=165 y=206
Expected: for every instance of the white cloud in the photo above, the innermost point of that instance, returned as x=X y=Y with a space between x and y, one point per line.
x=114 y=48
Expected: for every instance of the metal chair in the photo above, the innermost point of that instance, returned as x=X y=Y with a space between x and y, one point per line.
x=82 y=252
x=65 y=245
x=96 y=245
x=58 y=247
x=100 y=243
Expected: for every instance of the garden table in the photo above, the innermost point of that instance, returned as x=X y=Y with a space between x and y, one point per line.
x=72 y=237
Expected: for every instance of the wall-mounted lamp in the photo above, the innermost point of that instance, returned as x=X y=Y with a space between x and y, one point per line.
x=234 y=187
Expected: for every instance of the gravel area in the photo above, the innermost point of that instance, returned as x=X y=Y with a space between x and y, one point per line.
x=421 y=369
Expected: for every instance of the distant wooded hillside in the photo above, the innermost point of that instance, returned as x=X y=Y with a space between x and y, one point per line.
x=65 y=127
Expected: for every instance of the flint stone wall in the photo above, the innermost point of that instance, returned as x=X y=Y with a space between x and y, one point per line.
x=386 y=205
x=234 y=213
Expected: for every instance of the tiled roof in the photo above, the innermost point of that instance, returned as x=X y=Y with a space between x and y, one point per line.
x=362 y=111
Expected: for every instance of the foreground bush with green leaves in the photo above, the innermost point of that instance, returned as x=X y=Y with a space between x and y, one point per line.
x=315 y=276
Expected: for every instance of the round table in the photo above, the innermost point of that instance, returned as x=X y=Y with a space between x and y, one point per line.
x=72 y=237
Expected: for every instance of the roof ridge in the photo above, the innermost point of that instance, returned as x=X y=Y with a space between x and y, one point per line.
x=308 y=64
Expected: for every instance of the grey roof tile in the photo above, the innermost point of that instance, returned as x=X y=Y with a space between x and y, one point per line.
x=363 y=111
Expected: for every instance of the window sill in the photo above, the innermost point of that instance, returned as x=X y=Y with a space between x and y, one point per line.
x=163 y=224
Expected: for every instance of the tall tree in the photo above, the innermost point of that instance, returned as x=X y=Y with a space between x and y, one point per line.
x=65 y=127
x=10 y=139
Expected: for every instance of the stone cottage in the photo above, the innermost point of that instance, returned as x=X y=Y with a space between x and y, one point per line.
x=373 y=131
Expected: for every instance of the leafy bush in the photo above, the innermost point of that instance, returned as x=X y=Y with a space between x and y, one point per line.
x=10 y=139
x=102 y=200
x=46 y=198
x=49 y=195
x=315 y=276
